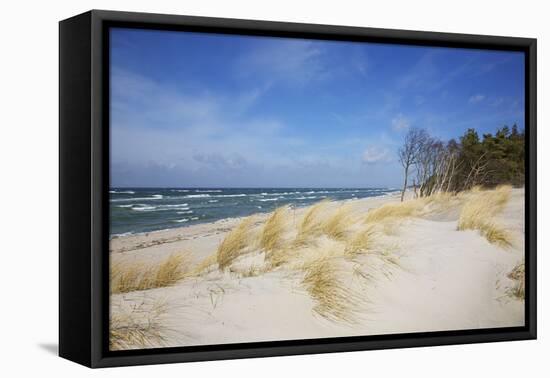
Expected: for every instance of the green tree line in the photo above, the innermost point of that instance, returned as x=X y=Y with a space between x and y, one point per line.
x=436 y=166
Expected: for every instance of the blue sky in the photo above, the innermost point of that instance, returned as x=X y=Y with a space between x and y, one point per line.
x=206 y=110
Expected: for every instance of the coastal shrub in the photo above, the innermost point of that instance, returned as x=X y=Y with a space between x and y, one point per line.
x=234 y=243
x=126 y=277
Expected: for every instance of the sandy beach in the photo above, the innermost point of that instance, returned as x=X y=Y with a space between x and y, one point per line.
x=419 y=271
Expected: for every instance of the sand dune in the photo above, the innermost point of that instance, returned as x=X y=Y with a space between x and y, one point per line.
x=359 y=267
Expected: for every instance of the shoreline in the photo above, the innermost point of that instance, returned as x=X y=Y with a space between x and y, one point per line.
x=169 y=234
x=265 y=208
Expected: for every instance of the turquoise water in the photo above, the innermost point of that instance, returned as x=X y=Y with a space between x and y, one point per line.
x=135 y=210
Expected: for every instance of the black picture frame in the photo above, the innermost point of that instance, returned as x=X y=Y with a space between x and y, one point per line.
x=84 y=187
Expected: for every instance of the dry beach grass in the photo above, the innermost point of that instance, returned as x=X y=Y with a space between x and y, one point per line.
x=133 y=276
x=335 y=253
x=479 y=211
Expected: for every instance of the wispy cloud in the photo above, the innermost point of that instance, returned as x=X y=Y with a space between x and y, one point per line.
x=428 y=75
x=291 y=62
x=376 y=154
x=167 y=136
x=477 y=98
x=400 y=123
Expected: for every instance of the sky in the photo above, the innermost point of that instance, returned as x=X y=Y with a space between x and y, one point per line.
x=211 y=110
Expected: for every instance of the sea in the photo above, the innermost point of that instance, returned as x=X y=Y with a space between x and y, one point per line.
x=139 y=210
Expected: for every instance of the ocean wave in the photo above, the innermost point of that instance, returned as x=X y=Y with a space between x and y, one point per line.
x=144 y=208
x=197 y=196
x=181 y=220
x=122 y=192
x=180 y=190
x=208 y=191
x=279 y=194
x=268 y=199
x=178 y=205
x=310 y=192
x=182 y=207
x=114 y=236
x=153 y=197
x=213 y=201
x=185 y=212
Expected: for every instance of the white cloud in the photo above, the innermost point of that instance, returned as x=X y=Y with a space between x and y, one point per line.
x=476 y=98
x=293 y=62
x=400 y=123
x=375 y=154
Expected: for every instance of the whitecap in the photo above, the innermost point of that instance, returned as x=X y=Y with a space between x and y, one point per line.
x=178 y=205
x=144 y=208
x=114 y=236
x=122 y=192
x=154 y=197
x=197 y=195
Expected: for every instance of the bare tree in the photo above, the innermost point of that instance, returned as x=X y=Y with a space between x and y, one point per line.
x=478 y=172
x=429 y=164
x=408 y=153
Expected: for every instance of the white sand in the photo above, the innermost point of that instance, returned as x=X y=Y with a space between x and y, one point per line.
x=446 y=280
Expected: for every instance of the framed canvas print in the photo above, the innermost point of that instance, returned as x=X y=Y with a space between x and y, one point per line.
x=234 y=188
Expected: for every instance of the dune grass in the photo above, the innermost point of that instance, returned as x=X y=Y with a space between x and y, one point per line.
x=441 y=201
x=338 y=224
x=137 y=327
x=334 y=300
x=496 y=234
x=360 y=243
x=273 y=229
x=392 y=211
x=311 y=224
x=234 y=243
x=518 y=275
x=134 y=276
x=206 y=265
x=281 y=256
x=479 y=210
